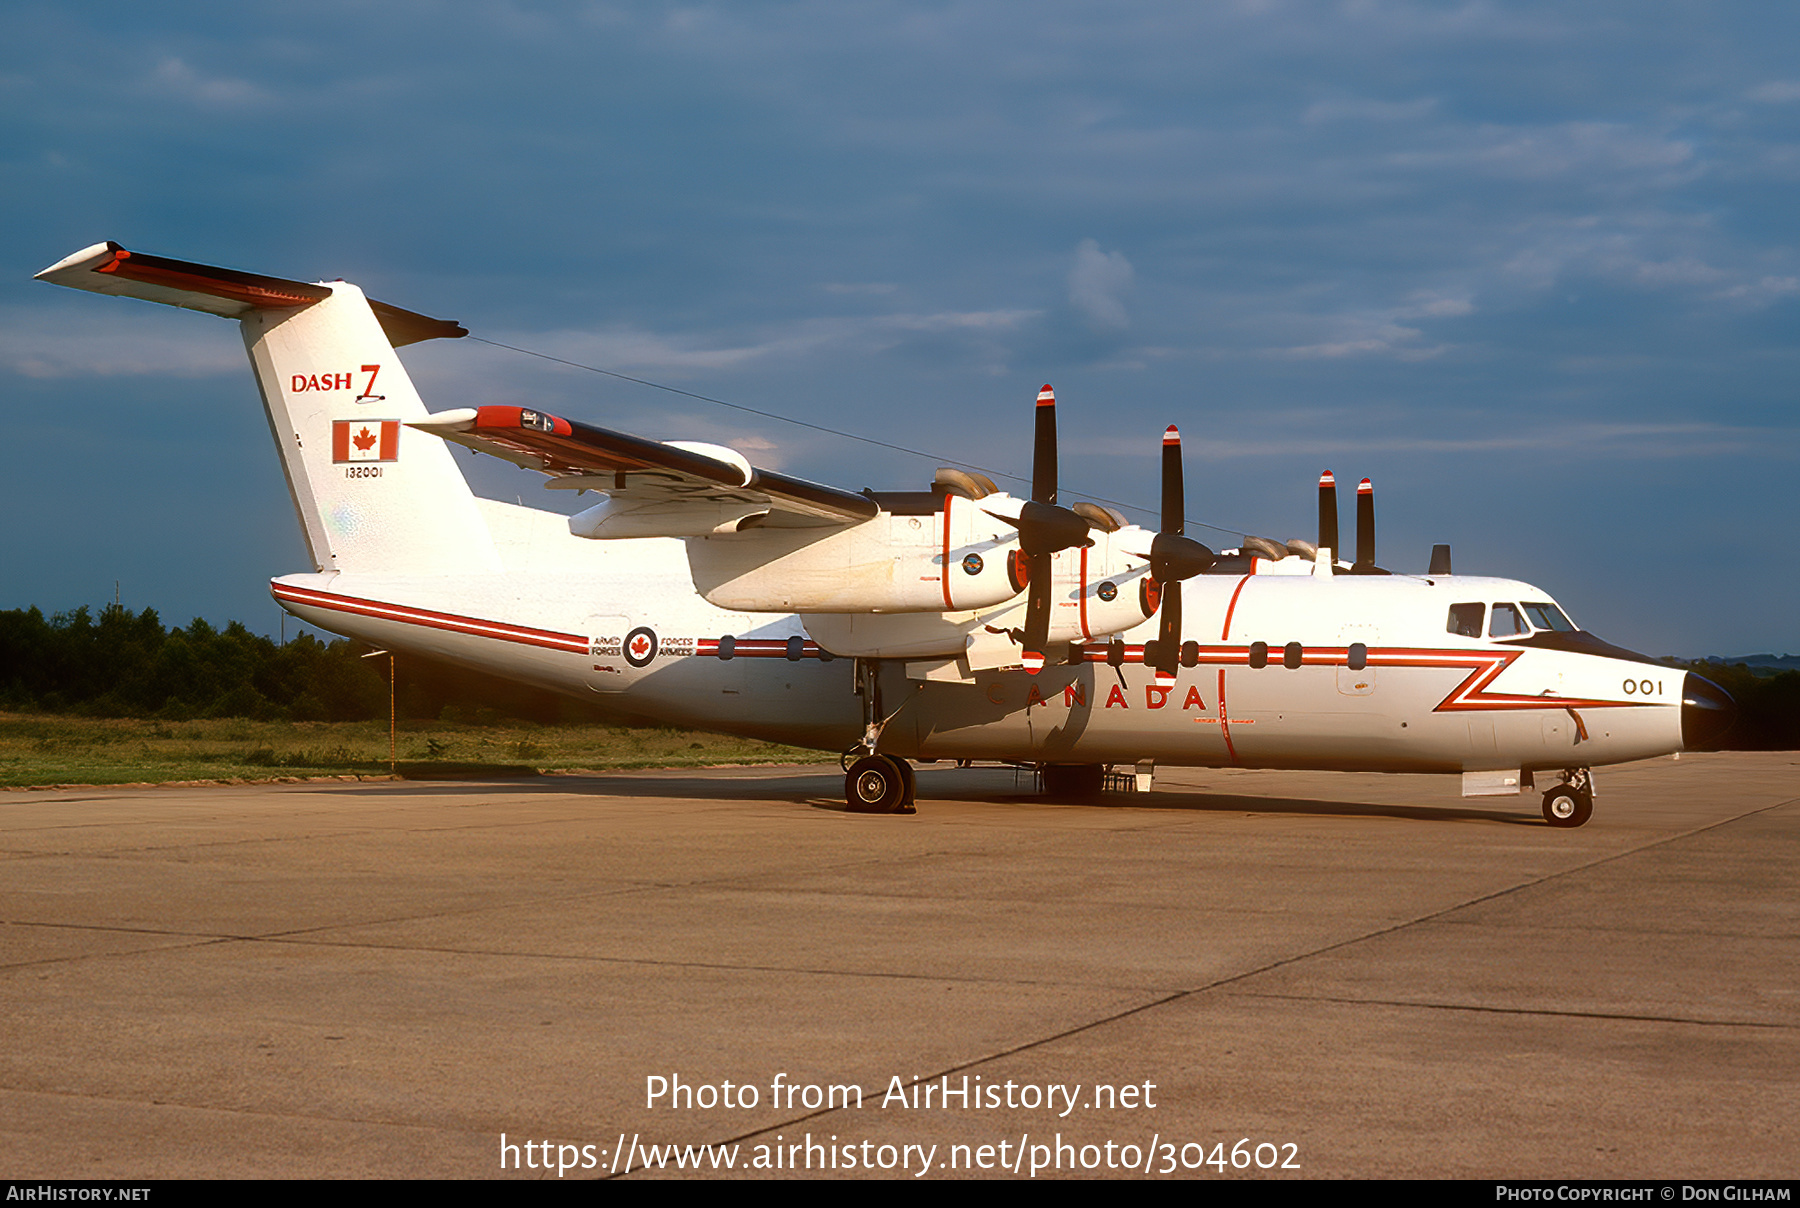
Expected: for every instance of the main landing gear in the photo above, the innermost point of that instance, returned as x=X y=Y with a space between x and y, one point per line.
x=1072 y=781
x=1571 y=804
x=880 y=784
x=875 y=783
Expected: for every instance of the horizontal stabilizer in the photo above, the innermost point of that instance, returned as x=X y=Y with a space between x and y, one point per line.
x=107 y=268
x=632 y=468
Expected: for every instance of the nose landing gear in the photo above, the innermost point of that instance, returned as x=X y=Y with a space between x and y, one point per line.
x=1571 y=804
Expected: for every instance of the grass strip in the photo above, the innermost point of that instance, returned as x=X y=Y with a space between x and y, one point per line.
x=45 y=749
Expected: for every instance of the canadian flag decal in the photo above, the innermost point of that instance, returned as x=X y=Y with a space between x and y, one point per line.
x=365 y=440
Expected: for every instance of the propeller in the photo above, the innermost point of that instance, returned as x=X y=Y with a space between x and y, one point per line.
x=1044 y=528
x=1173 y=557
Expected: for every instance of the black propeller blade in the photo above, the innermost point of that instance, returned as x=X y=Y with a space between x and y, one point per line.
x=1044 y=528
x=1365 y=525
x=1328 y=515
x=1173 y=557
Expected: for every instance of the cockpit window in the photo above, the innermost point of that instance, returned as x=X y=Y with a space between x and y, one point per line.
x=1548 y=616
x=1507 y=622
x=1465 y=620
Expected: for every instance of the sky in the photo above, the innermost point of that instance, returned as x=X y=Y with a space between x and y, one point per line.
x=1532 y=267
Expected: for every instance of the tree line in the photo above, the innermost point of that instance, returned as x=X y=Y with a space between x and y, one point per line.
x=125 y=664
x=1768 y=705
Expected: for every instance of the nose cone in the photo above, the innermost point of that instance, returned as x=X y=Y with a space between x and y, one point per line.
x=1707 y=711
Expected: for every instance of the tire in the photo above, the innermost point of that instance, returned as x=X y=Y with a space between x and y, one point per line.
x=874 y=785
x=909 y=788
x=1567 y=808
x=1073 y=781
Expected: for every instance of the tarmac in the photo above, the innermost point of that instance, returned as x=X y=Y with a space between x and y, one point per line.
x=1274 y=974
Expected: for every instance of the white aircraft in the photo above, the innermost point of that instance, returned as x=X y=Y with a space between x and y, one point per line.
x=706 y=592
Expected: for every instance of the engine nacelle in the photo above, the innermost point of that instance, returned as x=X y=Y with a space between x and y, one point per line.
x=1096 y=592
x=943 y=553
x=1103 y=589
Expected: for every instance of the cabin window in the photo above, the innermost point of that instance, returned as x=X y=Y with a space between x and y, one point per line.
x=1259 y=654
x=1359 y=656
x=1465 y=619
x=1548 y=616
x=1507 y=622
x=1291 y=655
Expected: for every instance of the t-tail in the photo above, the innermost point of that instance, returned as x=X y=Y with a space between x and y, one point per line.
x=372 y=495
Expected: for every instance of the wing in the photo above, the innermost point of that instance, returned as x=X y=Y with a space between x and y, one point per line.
x=671 y=486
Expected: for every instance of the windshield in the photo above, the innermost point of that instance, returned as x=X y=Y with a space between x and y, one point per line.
x=1546 y=615
x=1506 y=623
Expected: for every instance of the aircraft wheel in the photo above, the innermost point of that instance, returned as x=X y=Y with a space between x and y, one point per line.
x=909 y=788
x=1567 y=807
x=1073 y=781
x=875 y=784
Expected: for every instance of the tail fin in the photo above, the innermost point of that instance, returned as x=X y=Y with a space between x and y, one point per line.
x=371 y=495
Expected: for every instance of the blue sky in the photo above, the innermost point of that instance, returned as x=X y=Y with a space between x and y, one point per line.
x=1535 y=268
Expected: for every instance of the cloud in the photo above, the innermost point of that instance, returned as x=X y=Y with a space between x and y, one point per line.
x=1626 y=441
x=1372 y=333
x=1097 y=282
x=1607 y=154
x=637 y=349
x=1775 y=92
x=64 y=343
x=1359 y=109
x=1761 y=293
x=174 y=77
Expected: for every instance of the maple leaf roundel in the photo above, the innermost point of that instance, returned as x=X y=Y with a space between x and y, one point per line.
x=640 y=646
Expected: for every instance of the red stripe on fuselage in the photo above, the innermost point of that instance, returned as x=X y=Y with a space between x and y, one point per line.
x=944 y=570
x=1225 y=725
x=1483 y=667
x=1225 y=633
x=431 y=619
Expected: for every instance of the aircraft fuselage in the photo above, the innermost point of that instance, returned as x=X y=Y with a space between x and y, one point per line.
x=1291 y=671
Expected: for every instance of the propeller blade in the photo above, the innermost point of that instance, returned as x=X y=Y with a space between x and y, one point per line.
x=1365 y=525
x=1440 y=560
x=1173 y=557
x=1043 y=450
x=1167 y=654
x=1044 y=528
x=1328 y=514
x=1037 y=612
x=1173 y=506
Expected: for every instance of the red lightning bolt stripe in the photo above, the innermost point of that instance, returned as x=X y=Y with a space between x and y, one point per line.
x=1469 y=695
